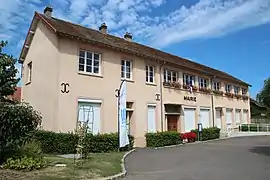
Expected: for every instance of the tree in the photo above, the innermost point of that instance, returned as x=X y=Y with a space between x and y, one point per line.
x=263 y=96
x=8 y=71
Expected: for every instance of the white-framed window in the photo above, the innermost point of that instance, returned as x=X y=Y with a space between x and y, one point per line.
x=216 y=85
x=189 y=80
x=126 y=69
x=244 y=91
x=203 y=83
x=236 y=90
x=89 y=62
x=170 y=76
x=150 y=74
x=29 y=73
x=228 y=88
x=129 y=113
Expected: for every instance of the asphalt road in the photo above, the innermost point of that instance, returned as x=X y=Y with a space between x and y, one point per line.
x=245 y=158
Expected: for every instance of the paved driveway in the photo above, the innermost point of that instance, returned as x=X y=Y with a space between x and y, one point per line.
x=246 y=158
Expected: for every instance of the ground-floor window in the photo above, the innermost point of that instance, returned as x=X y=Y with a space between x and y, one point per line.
x=151 y=120
x=89 y=114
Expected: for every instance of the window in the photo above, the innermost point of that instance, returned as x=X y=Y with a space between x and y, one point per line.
x=203 y=83
x=29 y=75
x=126 y=69
x=189 y=80
x=150 y=74
x=129 y=106
x=236 y=90
x=216 y=85
x=228 y=88
x=89 y=62
x=170 y=76
x=244 y=91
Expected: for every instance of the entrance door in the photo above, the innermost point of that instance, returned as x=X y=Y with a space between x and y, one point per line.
x=189 y=119
x=229 y=120
x=205 y=117
x=151 y=119
x=218 y=118
x=172 y=122
x=237 y=117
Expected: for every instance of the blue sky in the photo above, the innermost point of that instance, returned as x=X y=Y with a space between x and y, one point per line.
x=230 y=35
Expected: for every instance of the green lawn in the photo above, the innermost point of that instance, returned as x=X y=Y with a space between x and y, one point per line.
x=96 y=166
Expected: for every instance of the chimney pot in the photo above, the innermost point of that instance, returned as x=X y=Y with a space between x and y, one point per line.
x=103 y=28
x=128 y=36
x=48 y=11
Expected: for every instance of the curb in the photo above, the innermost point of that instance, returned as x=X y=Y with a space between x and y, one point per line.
x=124 y=172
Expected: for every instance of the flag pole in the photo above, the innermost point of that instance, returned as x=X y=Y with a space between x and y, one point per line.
x=117 y=95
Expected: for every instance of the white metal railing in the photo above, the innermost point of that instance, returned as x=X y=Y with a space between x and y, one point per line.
x=254 y=128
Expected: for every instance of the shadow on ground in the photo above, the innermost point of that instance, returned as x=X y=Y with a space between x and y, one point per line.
x=262 y=150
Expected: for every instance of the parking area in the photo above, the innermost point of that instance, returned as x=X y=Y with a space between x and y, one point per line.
x=245 y=158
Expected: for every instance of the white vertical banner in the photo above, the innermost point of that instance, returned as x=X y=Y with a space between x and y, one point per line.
x=123 y=135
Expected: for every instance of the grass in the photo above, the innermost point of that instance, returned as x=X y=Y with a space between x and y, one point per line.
x=96 y=166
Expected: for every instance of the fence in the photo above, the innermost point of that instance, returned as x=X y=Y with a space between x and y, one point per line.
x=254 y=128
x=260 y=120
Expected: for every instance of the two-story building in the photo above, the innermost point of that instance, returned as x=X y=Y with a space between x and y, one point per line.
x=70 y=74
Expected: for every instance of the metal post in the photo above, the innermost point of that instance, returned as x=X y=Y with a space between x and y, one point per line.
x=267 y=127
x=117 y=95
x=258 y=128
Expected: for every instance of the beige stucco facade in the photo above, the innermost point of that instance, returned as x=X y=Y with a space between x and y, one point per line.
x=55 y=61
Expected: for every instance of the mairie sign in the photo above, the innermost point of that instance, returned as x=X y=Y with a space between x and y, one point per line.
x=188 y=98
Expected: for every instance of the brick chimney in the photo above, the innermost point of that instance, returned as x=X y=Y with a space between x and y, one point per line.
x=48 y=11
x=103 y=28
x=128 y=36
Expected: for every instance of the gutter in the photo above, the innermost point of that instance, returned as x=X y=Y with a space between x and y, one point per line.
x=161 y=64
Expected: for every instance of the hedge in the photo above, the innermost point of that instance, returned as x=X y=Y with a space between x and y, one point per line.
x=253 y=128
x=160 y=139
x=65 y=143
x=208 y=133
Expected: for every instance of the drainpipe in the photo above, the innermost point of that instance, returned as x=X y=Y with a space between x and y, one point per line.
x=212 y=101
x=161 y=93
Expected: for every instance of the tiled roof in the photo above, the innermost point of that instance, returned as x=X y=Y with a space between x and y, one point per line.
x=64 y=28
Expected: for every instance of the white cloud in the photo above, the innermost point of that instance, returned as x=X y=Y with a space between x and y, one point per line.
x=205 y=19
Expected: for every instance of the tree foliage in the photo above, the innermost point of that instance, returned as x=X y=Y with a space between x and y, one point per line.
x=263 y=96
x=17 y=122
x=8 y=71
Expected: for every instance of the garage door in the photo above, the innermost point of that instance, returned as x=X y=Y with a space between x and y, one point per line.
x=205 y=117
x=237 y=117
x=151 y=125
x=218 y=118
x=245 y=116
x=90 y=112
x=189 y=119
x=229 y=119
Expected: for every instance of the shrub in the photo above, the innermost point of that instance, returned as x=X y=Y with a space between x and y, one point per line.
x=66 y=143
x=252 y=127
x=32 y=149
x=160 y=139
x=190 y=136
x=17 y=121
x=25 y=163
x=208 y=133
x=58 y=143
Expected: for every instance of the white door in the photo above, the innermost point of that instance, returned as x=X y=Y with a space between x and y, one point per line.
x=205 y=118
x=189 y=114
x=218 y=118
x=245 y=116
x=90 y=112
x=237 y=117
x=229 y=120
x=151 y=125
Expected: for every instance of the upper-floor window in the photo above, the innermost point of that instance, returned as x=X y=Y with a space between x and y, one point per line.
x=228 y=88
x=189 y=80
x=29 y=73
x=216 y=85
x=170 y=76
x=236 y=90
x=203 y=83
x=126 y=69
x=150 y=74
x=244 y=91
x=89 y=62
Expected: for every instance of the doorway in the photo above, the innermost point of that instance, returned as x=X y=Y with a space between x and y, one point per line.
x=172 y=121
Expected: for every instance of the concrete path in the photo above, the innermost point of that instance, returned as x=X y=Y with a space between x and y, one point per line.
x=245 y=158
